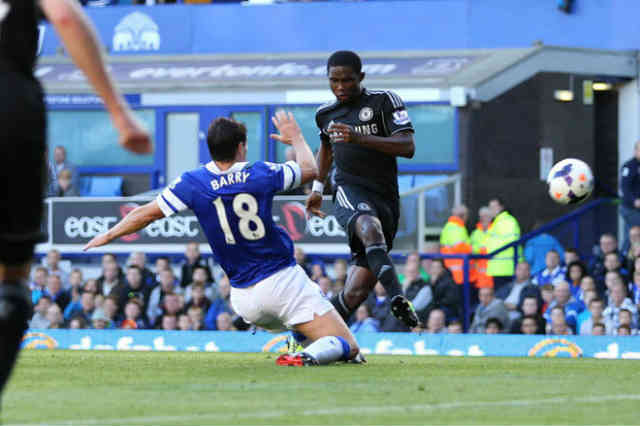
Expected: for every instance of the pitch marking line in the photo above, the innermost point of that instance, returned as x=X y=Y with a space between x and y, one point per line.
x=341 y=410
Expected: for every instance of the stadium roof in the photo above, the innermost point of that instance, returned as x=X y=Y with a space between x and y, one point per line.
x=483 y=74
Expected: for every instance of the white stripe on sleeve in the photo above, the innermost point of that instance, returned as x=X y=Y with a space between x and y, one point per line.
x=292 y=175
x=168 y=211
x=174 y=200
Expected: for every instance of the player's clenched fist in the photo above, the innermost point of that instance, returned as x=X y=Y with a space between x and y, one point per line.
x=339 y=132
x=314 y=203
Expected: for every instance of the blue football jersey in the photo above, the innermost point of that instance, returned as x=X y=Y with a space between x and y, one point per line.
x=234 y=210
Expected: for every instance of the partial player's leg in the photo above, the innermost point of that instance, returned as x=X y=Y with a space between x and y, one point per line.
x=360 y=282
x=22 y=148
x=331 y=341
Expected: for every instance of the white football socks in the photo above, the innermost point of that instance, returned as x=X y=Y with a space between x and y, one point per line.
x=329 y=349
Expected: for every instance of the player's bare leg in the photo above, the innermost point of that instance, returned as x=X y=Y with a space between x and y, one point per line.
x=360 y=282
x=15 y=307
x=331 y=341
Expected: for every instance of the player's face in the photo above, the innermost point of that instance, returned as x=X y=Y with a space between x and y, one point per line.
x=345 y=83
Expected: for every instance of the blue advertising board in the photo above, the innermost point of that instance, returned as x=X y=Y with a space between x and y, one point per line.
x=373 y=26
x=607 y=347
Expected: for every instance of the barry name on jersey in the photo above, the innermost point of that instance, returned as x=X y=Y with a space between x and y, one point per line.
x=230 y=179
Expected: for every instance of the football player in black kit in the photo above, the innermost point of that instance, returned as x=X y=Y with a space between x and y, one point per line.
x=22 y=144
x=364 y=131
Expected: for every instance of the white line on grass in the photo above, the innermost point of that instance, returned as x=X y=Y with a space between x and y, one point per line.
x=340 y=410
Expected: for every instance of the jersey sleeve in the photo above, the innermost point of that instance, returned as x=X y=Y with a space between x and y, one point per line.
x=395 y=114
x=176 y=197
x=324 y=138
x=284 y=176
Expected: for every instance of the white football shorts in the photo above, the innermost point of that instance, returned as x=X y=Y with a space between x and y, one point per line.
x=279 y=302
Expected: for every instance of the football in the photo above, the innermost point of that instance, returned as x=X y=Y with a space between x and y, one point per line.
x=570 y=181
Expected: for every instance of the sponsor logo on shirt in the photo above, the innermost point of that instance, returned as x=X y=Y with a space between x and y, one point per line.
x=401 y=117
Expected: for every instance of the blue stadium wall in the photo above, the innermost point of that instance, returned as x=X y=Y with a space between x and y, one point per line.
x=378 y=26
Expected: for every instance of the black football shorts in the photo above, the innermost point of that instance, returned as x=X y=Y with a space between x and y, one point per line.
x=23 y=171
x=353 y=201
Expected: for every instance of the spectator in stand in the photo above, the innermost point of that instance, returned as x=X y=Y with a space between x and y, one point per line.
x=161 y=264
x=54 y=317
x=75 y=284
x=60 y=163
x=219 y=305
x=489 y=307
x=436 y=322
x=379 y=304
x=52 y=262
x=172 y=304
x=611 y=278
x=589 y=295
x=413 y=258
x=301 y=259
x=317 y=270
x=633 y=240
x=630 y=186
x=199 y=297
x=618 y=301
x=559 y=325
x=511 y=292
x=576 y=271
x=77 y=323
x=98 y=301
x=608 y=244
x=479 y=246
x=168 y=322
x=167 y=286
x=139 y=259
x=623 y=330
x=83 y=308
x=530 y=308
x=363 y=321
x=596 y=308
x=454 y=239
x=65 y=187
x=200 y=277
x=634 y=288
x=494 y=326
x=412 y=281
x=587 y=283
x=39 y=319
x=431 y=247
x=612 y=263
x=571 y=307
x=454 y=327
x=192 y=260
x=133 y=315
x=111 y=308
x=446 y=293
x=633 y=262
x=196 y=314
x=571 y=255
x=536 y=249
x=39 y=283
x=598 y=329
x=546 y=292
x=184 y=323
x=55 y=291
x=528 y=325
x=224 y=322
x=111 y=282
x=553 y=272
x=625 y=318
x=504 y=229
x=135 y=288
x=340 y=270
x=325 y=287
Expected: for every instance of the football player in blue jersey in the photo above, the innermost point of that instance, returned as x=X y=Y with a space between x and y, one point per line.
x=232 y=200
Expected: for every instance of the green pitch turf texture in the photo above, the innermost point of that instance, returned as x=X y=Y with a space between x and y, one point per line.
x=151 y=388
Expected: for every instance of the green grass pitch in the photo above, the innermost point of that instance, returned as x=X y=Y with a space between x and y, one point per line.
x=151 y=388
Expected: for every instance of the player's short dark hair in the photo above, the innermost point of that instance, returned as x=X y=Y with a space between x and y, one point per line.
x=345 y=58
x=223 y=138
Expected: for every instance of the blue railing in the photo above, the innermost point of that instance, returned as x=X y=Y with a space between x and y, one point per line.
x=573 y=218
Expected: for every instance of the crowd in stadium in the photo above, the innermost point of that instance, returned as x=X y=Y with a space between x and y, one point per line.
x=561 y=294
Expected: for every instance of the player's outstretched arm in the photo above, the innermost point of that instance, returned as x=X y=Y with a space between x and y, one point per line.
x=79 y=37
x=291 y=134
x=137 y=219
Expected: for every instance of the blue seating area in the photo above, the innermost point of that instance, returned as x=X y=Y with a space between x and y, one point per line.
x=101 y=186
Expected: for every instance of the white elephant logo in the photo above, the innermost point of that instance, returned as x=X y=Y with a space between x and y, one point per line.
x=136 y=32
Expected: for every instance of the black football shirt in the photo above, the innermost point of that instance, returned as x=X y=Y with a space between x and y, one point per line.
x=378 y=113
x=19 y=34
